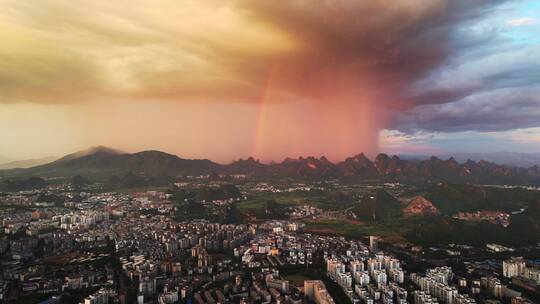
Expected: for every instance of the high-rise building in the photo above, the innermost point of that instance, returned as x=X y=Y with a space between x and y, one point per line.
x=373 y=243
x=315 y=290
x=514 y=267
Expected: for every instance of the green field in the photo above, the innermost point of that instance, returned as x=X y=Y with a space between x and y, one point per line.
x=255 y=202
x=397 y=227
x=298 y=276
x=142 y=189
x=297 y=279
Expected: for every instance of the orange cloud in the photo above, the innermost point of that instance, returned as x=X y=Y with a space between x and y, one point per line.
x=339 y=69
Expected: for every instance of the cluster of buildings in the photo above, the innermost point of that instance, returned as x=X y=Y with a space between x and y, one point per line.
x=273 y=188
x=495 y=217
x=435 y=287
x=102 y=296
x=517 y=267
x=304 y=211
x=133 y=248
x=521 y=274
x=368 y=277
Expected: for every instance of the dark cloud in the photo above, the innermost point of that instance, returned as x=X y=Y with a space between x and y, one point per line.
x=422 y=61
x=497 y=110
x=380 y=46
x=436 y=65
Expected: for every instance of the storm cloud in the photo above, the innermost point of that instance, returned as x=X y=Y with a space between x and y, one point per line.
x=410 y=66
x=60 y=51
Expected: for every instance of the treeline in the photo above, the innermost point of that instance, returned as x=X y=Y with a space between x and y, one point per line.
x=27 y=184
x=524 y=230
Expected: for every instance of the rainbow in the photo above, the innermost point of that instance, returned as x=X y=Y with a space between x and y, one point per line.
x=261 y=114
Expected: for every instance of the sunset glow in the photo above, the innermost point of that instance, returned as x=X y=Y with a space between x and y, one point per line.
x=269 y=79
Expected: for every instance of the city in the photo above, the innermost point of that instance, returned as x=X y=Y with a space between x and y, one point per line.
x=76 y=241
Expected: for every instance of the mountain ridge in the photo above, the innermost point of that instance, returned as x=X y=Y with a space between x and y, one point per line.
x=516 y=159
x=103 y=161
x=26 y=163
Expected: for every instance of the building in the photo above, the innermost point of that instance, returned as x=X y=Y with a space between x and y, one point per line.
x=315 y=290
x=373 y=243
x=513 y=267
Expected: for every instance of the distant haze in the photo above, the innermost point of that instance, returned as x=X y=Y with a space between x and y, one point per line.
x=4 y=159
x=26 y=163
x=503 y=158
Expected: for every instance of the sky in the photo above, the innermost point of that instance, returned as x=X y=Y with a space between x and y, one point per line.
x=271 y=79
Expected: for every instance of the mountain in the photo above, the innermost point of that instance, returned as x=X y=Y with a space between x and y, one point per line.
x=378 y=206
x=504 y=158
x=525 y=226
x=358 y=166
x=450 y=198
x=22 y=184
x=246 y=166
x=107 y=162
x=419 y=205
x=309 y=167
x=26 y=163
x=90 y=151
x=515 y=159
x=524 y=229
x=434 y=170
